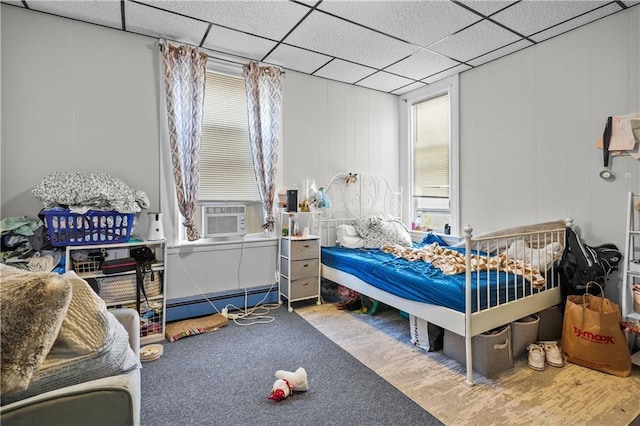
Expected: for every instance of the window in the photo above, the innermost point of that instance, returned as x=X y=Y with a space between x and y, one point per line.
x=432 y=151
x=226 y=166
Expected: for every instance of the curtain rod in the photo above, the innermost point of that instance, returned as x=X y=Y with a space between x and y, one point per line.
x=217 y=57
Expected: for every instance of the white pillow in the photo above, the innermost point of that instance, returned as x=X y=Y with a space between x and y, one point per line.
x=347 y=236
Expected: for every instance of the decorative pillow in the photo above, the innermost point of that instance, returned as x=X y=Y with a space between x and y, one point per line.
x=378 y=230
x=93 y=190
x=33 y=307
x=85 y=328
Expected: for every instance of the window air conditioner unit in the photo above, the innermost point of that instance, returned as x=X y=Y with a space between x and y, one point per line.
x=223 y=220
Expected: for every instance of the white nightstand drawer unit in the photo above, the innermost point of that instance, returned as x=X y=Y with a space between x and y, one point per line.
x=299 y=268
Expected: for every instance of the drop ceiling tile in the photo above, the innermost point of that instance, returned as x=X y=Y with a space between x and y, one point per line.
x=529 y=17
x=344 y=71
x=419 y=22
x=474 y=41
x=487 y=7
x=384 y=82
x=334 y=37
x=518 y=45
x=406 y=89
x=445 y=74
x=236 y=43
x=630 y=3
x=271 y=19
x=421 y=64
x=14 y=2
x=99 y=12
x=297 y=59
x=157 y=23
x=575 y=23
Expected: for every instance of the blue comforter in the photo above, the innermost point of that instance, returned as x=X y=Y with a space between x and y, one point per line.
x=421 y=281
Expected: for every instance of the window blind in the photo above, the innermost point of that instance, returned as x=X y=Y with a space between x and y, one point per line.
x=431 y=130
x=226 y=167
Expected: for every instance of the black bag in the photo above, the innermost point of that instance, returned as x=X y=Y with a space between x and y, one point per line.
x=582 y=263
x=143 y=255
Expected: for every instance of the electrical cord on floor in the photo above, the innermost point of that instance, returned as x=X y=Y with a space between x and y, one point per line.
x=246 y=316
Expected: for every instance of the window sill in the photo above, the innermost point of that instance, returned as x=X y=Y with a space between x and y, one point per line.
x=204 y=244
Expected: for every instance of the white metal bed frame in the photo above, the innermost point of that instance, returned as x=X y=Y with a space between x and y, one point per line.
x=373 y=195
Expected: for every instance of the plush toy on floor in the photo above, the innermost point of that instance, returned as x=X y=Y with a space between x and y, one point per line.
x=289 y=382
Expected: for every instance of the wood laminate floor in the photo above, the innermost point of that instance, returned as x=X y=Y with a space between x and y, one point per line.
x=572 y=395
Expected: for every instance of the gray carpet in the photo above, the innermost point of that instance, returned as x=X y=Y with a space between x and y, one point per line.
x=224 y=378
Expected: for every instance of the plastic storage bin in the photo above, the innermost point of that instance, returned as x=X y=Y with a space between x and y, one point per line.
x=94 y=227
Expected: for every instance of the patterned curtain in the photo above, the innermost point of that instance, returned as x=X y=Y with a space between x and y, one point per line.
x=184 y=72
x=264 y=104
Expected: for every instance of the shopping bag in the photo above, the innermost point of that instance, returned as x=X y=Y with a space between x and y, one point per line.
x=591 y=334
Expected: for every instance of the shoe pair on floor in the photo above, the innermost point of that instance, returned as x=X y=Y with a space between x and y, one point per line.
x=544 y=351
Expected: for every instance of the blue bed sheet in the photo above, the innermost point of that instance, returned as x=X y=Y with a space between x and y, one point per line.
x=421 y=281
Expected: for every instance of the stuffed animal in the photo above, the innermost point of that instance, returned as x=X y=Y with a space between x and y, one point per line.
x=297 y=379
x=288 y=382
x=280 y=390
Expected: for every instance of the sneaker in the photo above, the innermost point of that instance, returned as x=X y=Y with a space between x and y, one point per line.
x=552 y=353
x=536 y=357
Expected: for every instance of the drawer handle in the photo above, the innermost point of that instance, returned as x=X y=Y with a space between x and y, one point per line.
x=306 y=265
x=305 y=283
x=306 y=246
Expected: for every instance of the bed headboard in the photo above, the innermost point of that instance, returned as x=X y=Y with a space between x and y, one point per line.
x=353 y=196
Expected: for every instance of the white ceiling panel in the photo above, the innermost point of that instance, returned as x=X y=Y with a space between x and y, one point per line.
x=446 y=73
x=392 y=46
x=153 y=22
x=14 y=3
x=236 y=43
x=104 y=12
x=406 y=89
x=500 y=53
x=334 y=37
x=474 y=41
x=384 y=81
x=344 y=71
x=419 y=22
x=575 y=23
x=487 y=7
x=421 y=64
x=297 y=59
x=266 y=18
x=529 y=17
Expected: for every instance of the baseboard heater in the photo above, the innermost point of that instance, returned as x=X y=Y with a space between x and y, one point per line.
x=198 y=306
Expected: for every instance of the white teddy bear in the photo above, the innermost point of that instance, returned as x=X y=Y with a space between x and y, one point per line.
x=288 y=382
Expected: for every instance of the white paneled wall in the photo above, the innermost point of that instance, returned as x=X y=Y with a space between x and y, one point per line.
x=528 y=127
x=76 y=97
x=332 y=127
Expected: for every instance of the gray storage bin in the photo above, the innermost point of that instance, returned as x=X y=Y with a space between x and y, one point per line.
x=550 y=326
x=491 y=351
x=523 y=333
